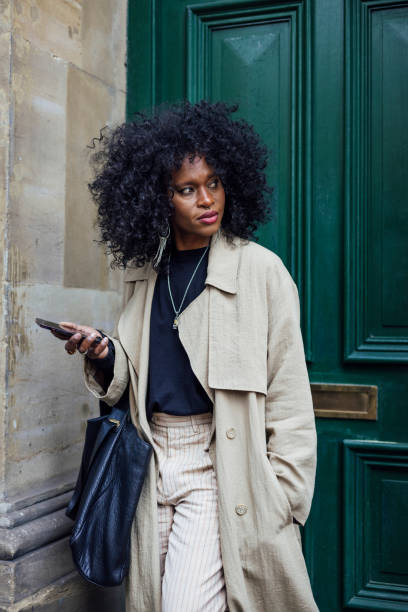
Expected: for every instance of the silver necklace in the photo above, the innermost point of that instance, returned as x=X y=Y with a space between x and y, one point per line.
x=177 y=311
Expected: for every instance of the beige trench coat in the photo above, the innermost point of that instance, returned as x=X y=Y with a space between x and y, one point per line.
x=244 y=343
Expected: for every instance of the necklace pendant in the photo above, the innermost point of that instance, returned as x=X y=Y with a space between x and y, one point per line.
x=175 y=323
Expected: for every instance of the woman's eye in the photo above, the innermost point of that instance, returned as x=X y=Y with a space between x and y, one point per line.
x=214 y=184
x=186 y=191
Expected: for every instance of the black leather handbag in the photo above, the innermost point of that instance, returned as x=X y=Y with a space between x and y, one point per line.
x=113 y=467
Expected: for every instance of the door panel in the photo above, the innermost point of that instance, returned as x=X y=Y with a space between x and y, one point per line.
x=375 y=538
x=376 y=171
x=324 y=82
x=252 y=54
x=241 y=57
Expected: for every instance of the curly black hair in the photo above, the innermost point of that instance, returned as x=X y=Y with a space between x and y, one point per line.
x=134 y=162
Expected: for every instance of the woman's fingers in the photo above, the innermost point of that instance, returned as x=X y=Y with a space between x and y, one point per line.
x=83 y=340
x=87 y=342
x=87 y=345
x=98 y=350
x=72 y=344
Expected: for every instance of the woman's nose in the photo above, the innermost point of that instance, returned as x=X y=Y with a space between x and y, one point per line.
x=205 y=197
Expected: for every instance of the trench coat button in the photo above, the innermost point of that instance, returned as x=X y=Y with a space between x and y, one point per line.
x=231 y=433
x=241 y=509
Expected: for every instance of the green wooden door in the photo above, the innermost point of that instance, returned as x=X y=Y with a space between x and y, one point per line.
x=325 y=82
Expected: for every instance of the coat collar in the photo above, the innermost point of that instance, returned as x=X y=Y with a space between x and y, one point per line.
x=223 y=261
x=222 y=270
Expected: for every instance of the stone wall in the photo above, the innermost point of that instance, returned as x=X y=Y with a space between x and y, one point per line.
x=62 y=78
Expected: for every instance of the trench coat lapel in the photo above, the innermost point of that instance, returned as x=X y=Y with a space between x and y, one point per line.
x=223 y=263
x=226 y=347
x=142 y=353
x=195 y=320
x=136 y=315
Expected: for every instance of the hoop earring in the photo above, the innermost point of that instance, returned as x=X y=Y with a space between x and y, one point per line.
x=162 y=246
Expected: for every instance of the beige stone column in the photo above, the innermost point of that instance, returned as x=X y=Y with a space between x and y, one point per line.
x=62 y=78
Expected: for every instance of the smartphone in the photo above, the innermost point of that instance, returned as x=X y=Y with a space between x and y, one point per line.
x=57 y=327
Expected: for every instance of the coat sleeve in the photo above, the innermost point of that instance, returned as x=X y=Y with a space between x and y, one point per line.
x=120 y=378
x=290 y=422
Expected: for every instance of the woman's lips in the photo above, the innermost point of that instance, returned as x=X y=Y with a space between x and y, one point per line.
x=209 y=218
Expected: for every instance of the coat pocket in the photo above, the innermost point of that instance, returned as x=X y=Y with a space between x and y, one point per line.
x=278 y=490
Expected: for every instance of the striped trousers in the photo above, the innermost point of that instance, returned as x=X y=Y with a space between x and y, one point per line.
x=190 y=555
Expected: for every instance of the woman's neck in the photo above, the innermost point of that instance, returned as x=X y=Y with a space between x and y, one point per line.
x=190 y=241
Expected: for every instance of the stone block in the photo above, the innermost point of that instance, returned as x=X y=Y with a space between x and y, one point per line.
x=35 y=555
x=37 y=499
x=5 y=51
x=48 y=403
x=37 y=173
x=91 y=35
x=30 y=572
x=71 y=593
x=90 y=106
x=37 y=493
x=5 y=16
x=29 y=536
x=53 y=26
x=104 y=40
x=17 y=512
x=5 y=59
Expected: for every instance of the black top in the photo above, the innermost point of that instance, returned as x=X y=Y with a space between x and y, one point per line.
x=173 y=388
x=172 y=385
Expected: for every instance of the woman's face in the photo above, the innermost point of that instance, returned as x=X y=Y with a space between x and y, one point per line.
x=198 y=197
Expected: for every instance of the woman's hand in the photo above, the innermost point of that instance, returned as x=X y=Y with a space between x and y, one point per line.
x=84 y=345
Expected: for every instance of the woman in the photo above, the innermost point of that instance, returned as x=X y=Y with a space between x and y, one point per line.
x=209 y=339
